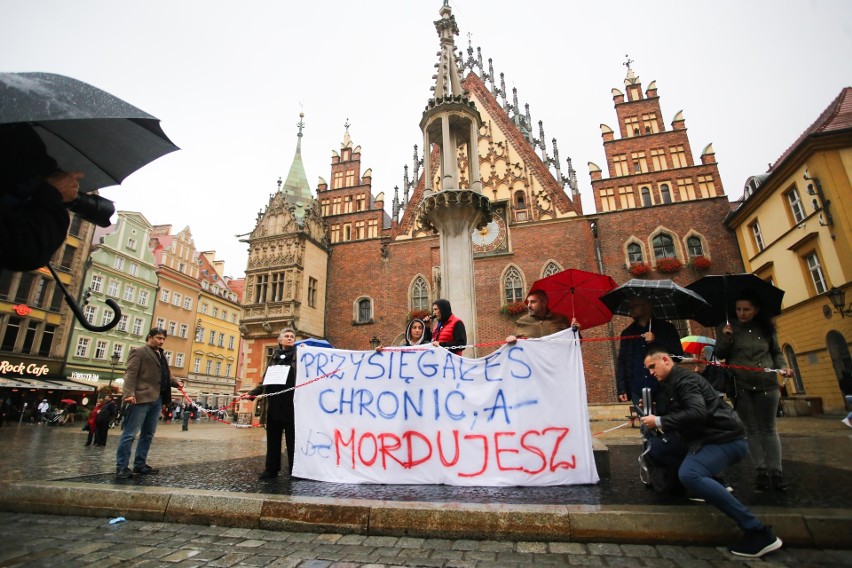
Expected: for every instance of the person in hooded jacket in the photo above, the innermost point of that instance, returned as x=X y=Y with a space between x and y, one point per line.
x=280 y=412
x=449 y=331
x=417 y=333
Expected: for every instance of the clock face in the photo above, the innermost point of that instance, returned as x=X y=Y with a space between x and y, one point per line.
x=490 y=237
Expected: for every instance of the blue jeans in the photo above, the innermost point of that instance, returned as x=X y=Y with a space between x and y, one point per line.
x=697 y=471
x=140 y=418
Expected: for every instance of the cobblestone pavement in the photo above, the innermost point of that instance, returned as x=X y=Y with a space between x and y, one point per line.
x=42 y=540
x=209 y=451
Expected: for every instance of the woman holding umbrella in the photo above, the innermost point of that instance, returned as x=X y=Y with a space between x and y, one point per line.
x=750 y=341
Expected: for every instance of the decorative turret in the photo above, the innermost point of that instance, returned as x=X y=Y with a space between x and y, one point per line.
x=451 y=122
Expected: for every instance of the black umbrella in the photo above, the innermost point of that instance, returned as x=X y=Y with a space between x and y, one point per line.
x=669 y=301
x=83 y=127
x=721 y=292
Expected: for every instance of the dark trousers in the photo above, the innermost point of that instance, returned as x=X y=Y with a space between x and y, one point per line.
x=101 y=431
x=274 y=431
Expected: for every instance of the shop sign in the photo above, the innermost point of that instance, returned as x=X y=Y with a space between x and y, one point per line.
x=90 y=377
x=24 y=368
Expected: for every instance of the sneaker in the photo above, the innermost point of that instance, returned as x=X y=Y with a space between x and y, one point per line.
x=146 y=470
x=777 y=481
x=123 y=473
x=755 y=544
x=847 y=422
x=267 y=474
x=762 y=480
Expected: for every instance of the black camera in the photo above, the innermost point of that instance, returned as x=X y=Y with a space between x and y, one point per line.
x=93 y=208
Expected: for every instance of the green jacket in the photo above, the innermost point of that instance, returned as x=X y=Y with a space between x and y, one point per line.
x=750 y=347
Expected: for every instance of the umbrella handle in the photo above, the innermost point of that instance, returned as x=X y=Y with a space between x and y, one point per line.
x=79 y=314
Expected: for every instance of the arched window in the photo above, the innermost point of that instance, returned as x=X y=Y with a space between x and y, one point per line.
x=513 y=286
x=646 y=197
x=666 y=193
x=634 y=253
x=790 y=355
x=663 y=246
x=364 y=310
x=419 y=294
x=551 y=269
x=695 y=247
x=520 y=200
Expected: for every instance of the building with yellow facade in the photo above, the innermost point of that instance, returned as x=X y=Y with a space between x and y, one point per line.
x=215 y=351
x=174 y=309
x=794 y=228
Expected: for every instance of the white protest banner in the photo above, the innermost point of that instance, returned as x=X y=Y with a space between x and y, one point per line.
x=426 y=416
x=276 y=375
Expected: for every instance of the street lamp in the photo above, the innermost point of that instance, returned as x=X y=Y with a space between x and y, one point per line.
x=837 y=297
x=375 y=342
x=113 y=360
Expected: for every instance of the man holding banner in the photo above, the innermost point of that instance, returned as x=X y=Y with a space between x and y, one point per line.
x=539 y=320
x=280 y=417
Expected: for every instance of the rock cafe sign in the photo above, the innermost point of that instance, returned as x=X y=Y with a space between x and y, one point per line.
x=22 y=368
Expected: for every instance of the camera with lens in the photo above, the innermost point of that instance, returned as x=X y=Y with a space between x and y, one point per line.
x=92 y=208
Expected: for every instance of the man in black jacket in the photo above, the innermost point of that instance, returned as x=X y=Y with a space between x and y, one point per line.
x=716 y=440
x=280 y=412
x=630 y=375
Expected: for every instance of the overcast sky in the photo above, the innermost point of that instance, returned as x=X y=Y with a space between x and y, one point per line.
x=228 y=80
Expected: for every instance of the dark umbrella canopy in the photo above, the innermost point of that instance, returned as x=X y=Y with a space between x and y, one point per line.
x=721 y=292
x=576 y=293
x=669 y=301
x=83 y=127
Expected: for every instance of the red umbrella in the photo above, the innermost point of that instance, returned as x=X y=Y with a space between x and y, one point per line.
x=576 y=294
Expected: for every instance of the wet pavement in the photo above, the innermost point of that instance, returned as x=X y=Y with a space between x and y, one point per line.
x=214 y=456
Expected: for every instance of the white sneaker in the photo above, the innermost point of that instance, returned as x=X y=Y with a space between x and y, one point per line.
x=847 y=422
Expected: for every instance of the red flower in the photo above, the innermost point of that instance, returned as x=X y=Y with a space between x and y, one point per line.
x=639 y=269
x=668 y=265
x=514 y=308
x=700 y=262
x=418 y=314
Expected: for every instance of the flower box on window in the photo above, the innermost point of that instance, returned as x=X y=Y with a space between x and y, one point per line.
x=417 y=314
x=700 y=263
x=514 y=309
x=668 y=265
x=639 y=269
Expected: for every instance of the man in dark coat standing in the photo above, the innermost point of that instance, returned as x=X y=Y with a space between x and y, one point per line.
x=630 y=374
x=280 y=413
x=716 y=441
x=104 y=416
x=147 y=387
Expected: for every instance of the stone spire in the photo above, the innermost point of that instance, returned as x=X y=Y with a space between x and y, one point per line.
x=451 y=123
x=448 y=83
x=296 y=190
